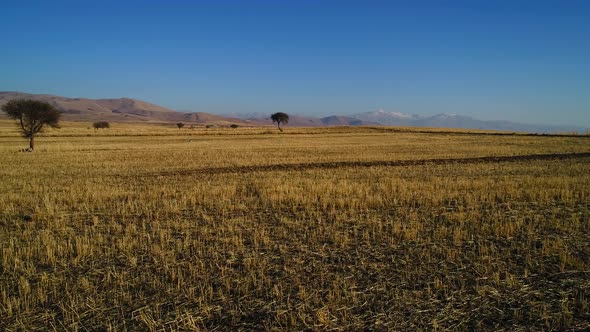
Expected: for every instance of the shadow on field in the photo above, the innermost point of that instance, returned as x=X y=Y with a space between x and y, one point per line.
x=388 y=163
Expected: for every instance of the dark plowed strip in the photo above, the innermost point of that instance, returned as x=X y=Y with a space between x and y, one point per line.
x=390 y=163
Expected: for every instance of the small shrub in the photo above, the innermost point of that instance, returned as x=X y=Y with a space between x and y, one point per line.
x=101 y=124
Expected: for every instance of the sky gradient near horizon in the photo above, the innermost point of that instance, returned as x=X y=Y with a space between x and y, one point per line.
x=522 y=61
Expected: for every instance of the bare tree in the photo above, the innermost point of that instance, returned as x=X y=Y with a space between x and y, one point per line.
x=32 y=115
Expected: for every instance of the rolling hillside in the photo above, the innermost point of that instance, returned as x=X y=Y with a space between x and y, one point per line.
x=133 y=110
x=119 y=110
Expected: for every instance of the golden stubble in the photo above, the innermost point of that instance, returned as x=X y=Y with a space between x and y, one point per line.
x=159 y=230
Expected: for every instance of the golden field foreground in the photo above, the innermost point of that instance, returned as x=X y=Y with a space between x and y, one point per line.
x=154 y=228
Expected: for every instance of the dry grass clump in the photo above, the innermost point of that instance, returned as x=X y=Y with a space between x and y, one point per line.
x=113 y=233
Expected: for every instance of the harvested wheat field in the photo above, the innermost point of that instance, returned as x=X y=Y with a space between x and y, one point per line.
x=151 y=228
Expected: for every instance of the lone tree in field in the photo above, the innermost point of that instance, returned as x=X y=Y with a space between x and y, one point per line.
x=180 y=125
x=32 y=115
x=279 y=118
x=101 y=124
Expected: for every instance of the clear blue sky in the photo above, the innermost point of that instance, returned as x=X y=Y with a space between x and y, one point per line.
x=526 y=61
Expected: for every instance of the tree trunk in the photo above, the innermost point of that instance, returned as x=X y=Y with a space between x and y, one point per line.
x=32 y=142
x=279 y=125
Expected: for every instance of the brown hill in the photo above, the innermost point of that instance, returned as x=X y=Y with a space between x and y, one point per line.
x=118 y=110
x=133 y=110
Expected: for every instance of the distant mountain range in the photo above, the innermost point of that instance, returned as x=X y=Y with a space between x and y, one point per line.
x=133 y=110
x=442 y=120
x=457 y=121
x=119 y=110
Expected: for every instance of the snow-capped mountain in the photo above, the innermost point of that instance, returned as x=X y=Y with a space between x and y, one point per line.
x=388 y=118
x=446 y=120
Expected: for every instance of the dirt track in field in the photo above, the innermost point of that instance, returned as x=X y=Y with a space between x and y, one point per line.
x=386 y=163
